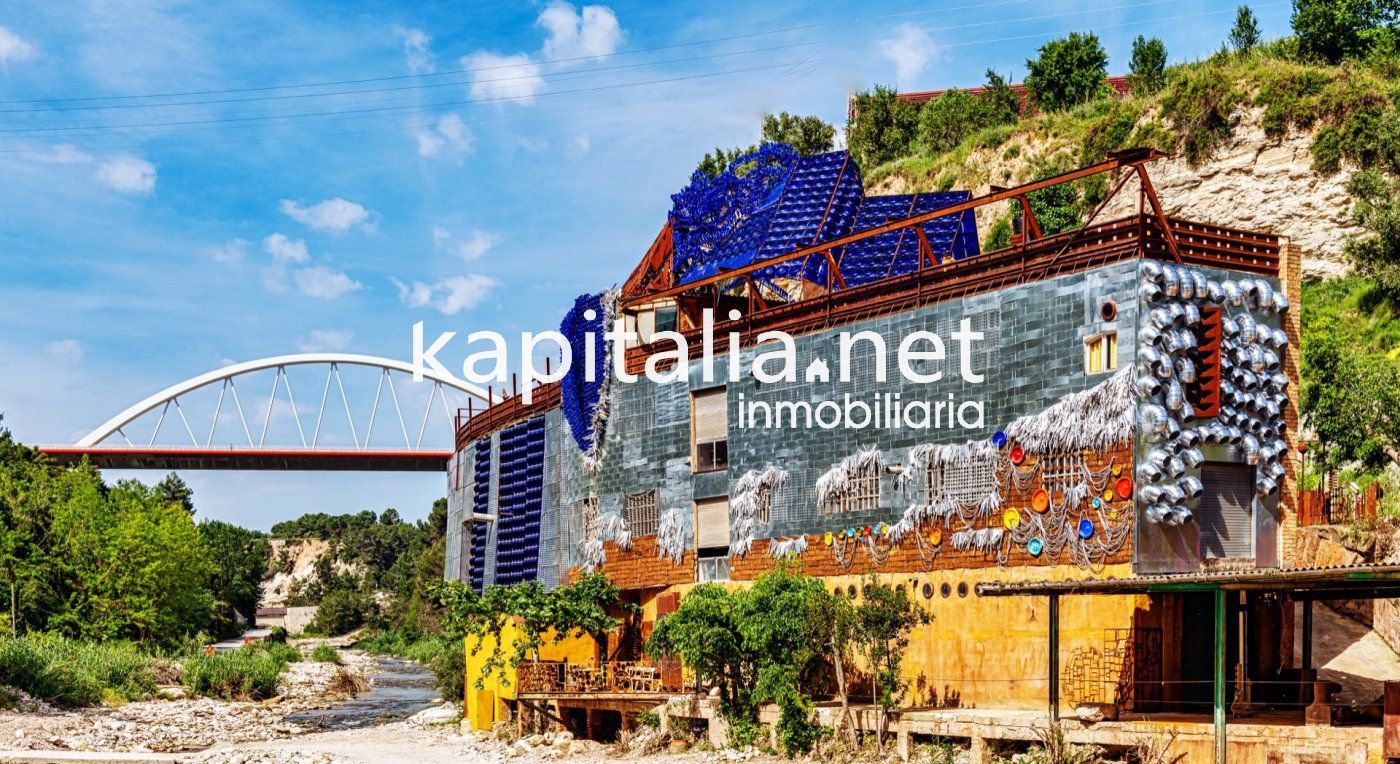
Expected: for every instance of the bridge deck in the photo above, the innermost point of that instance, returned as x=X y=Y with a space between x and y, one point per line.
x=290 y=459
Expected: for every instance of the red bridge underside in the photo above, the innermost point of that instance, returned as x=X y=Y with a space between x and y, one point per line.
x=190 y=458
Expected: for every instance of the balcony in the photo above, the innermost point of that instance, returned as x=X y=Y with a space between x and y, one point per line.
x=613 y=678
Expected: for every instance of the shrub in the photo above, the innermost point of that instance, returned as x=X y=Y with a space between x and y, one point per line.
x=449 y=665
x=1067 y=72
x=1199 y=104
x=999 y=236
x=73 y=673
x=282 y=651
x=276 y=635
x=242 y=674
x=341 y=611
x=324 y=653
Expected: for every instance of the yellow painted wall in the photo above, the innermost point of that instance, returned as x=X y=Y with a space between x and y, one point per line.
x=991 y=651
x=483 y=707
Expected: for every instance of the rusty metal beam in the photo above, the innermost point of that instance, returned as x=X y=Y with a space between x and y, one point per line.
x=1122 y=159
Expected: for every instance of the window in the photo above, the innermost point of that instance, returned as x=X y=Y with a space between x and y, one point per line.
x=967 y=484
x=588 y=516
x=712 y=539
x=709 y=430
x=763 y=514
x=863 y=491
x=639 y=511
x=1101 y=353
x=1225 y=515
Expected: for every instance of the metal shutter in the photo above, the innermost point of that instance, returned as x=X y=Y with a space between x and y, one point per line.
x=711 y=416
x=712 y=522
x=1226 y=514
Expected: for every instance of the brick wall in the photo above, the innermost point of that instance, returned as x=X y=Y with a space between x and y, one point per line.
x=641 y=568
x=1290 y=265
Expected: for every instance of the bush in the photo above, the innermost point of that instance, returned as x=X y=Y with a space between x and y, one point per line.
x=342 y=611
x=73 y=673
x=1069 y=71
x=324 y=653
x=243 y=674
x=282 y=652
x=276 y=635
x=1199 y=104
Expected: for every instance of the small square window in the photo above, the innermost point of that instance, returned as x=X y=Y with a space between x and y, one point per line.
x=863 y=492
x=1101 y=353
x=639 y=511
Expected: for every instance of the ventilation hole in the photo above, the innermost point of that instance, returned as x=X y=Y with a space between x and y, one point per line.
x=1108 y=310
x=851 y=592
x=946 y=590
x=928 y=591
x=962 y=589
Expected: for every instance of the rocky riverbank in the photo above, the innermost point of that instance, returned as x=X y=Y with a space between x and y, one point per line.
x=174 y=723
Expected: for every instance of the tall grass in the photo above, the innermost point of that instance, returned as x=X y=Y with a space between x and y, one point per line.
x=324 y=653
x=73 y=673
x=243 y=674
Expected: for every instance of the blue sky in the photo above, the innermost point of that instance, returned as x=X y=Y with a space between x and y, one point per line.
x=512 y=157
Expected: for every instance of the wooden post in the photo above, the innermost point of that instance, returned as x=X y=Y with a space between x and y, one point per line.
x=1219 y=683
x=1054 y=677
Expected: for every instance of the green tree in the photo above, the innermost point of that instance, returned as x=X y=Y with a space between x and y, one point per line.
x=950 y=118
x=239 y=559
x=1245 y=34
x=809 y=134
x=1147 y=70
x=1376 y=253
x=1067 y=72
x=705 y=634
x=173 y=490
x=343 y=610
x=884 y=619
x=882 y=126
x=1337 y=29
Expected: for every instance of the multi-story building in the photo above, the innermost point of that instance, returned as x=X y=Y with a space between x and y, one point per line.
x=1105 y=411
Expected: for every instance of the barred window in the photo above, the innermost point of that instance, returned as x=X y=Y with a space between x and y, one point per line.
x=639 y=510
x=965 y=484
x=863 y=493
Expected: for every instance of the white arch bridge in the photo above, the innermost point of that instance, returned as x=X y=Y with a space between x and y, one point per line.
x=161 y=432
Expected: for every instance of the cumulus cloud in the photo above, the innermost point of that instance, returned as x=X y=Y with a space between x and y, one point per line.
x=334 y=215
x=911 y=49
x=448 y=296
x=68 y=351
x=327 y=341
x=592 y=32
x=324 y=283
x=496 y=77
x=127 y=174
x=417 y=53
x=231 y=251
x=285 y=250
x=14 y=48
x=470 y=247
x=449 y=135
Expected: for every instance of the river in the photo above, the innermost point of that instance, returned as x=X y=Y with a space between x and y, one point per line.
x=400 y=689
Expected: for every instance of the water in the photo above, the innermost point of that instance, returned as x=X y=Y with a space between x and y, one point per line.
x=401 y=689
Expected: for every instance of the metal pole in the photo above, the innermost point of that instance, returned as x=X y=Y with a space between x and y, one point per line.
x=1219 y=684
x=1054 y=658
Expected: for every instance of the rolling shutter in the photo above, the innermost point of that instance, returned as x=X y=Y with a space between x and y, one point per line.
x=711 y=416
x=712 y=522
x=1226 y=513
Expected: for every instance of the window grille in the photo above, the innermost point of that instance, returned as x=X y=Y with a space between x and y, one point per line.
x=588 y=514
x=639 y=510
x=966 y=484
x=863 y=492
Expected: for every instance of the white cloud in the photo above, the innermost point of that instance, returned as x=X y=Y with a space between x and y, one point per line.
x=592 y=33
x=335 y=215
x=449 y=296
x=417 y=53
x=583 y=142
x=911 y=49
x=327 y=341
x=231 y=251
x=63 y=153
x=325 y=283
x=68 y=351
x=496 y=77
x=127 y=174
x=285 y=250
x=450 y=133
x=14 y=48
x=470 y=247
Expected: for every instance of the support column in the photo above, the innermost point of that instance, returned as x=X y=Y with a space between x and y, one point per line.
x=1219 y=683
x=1054 y=678
x=1305 y=696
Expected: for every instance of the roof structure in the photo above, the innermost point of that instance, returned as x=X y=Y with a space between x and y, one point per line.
x=1339 y=582
x=815 y=199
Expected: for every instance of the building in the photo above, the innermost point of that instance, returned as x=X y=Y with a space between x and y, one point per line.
x=1135 y=383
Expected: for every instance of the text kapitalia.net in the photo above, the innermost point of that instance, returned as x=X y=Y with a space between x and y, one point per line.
x=775 y=359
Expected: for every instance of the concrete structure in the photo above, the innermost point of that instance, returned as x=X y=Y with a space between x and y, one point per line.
x=1136 y=382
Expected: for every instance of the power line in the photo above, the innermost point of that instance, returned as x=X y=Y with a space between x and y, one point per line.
x=384 y=109
x=451 y=83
